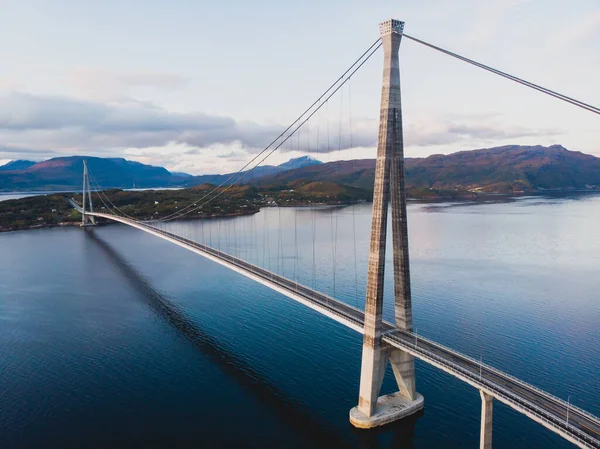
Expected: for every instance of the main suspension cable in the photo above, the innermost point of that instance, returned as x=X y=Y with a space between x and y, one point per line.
x=101 y=193
x=241 y=171
x=537 y=87
x=294 y=131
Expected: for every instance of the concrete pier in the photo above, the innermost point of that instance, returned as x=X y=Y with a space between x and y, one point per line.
x=487 y=411
x=389 y=408
x=372 y=410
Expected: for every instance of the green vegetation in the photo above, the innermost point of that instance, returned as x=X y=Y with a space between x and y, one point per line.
x=301 y=192
x=37 y=212
x=54 y=210
x=424 y=194
x=155 y=204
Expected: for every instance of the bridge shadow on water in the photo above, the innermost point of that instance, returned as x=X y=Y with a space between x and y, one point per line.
x=397 y=435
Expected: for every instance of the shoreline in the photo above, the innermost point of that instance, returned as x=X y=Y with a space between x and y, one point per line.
x=72 y=224
x=481 y=196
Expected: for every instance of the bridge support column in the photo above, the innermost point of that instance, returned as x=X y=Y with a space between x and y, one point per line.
x=373 y=410
x=86 y=220
x=487 y=410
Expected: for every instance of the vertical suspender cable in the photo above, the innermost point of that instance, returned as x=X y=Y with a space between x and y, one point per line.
x=314 y=212
x=302 y=119
x=354 y=205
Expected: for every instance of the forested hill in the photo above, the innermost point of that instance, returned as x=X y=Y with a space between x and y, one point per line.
x=502 y=169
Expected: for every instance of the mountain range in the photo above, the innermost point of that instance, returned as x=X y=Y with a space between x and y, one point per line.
x=507 y=169
x=16 y=165
x=65 y=173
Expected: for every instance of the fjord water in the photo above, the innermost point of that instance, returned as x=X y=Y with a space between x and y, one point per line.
x=111 y=337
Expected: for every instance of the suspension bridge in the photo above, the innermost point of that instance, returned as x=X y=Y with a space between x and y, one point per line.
x=383 y=342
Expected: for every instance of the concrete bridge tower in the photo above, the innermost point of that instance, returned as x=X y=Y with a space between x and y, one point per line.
x=86 y=220
x=373 y=410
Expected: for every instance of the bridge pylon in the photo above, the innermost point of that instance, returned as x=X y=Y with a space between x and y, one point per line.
x=374 y=410
x=86 y=220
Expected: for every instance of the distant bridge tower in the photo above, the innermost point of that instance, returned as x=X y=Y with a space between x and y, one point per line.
x=372 y=410
x=87 y=220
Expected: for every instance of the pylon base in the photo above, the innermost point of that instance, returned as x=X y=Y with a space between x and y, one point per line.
x=390 y=408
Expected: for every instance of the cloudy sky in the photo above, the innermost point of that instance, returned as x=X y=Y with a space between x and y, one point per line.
x=201 y=86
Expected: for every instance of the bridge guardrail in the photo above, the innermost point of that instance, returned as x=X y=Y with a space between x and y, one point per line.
x=357 y=316
x=499 y=390
x=513 y=378
x=509 y=396
x=315 y=297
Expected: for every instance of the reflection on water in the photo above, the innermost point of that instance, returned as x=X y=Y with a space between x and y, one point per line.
x=542 y=199
x=220 y=355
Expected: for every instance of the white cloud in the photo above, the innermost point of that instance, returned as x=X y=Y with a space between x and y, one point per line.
x=181 y=157
x=467 y=130
x=36 y=126
x=490 y=19
x=40 y=121
x=116 y=86
x=8 y=84
x=583 y=30
x=59 y=122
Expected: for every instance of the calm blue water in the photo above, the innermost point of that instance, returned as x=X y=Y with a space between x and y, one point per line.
x=114 y=338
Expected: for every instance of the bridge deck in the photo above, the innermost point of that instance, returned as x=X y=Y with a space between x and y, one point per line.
x=574 y=424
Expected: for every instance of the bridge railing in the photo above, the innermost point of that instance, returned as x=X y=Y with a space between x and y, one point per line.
x=501 y=392
x=550 y=396
x=295 y=286
x=358 y=315
x=76 y=206
x=274 y=276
